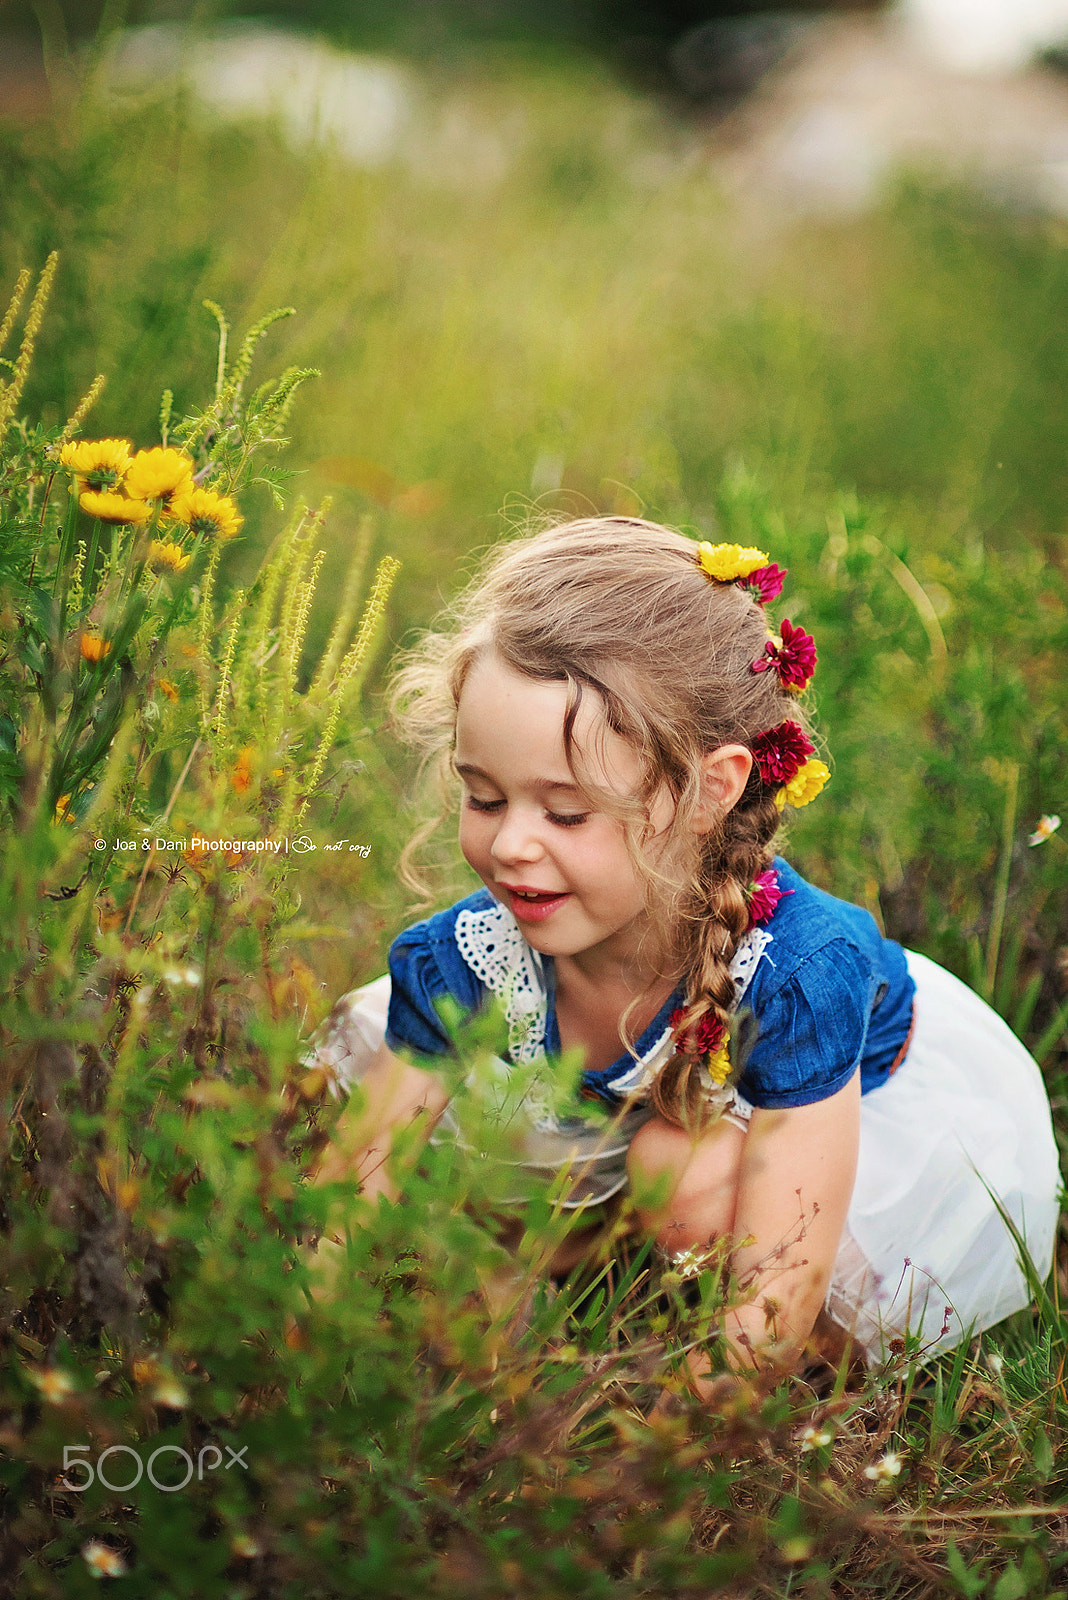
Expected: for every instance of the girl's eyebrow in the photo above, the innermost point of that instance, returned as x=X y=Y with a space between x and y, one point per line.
x=467 y=769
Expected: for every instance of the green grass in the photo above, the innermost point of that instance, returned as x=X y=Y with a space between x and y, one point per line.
x=561 y=293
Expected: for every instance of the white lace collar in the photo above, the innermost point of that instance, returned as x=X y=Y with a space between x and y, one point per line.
x=496 y=952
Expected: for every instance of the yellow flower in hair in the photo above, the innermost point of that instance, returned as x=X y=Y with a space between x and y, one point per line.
x=805 y=786
x=728 y=562
x=110 y=507
x=97 y=463
x=204 y=511
x=165 y=553
x=159 y=474
x=718 y=1066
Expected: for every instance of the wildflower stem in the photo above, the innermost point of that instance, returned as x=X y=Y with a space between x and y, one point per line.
x=22 y=283
x=10 y=397
x=206 y=592
x=82 y=409
x=224 y=333
x=175 y=792
x=165 y=408
x=385 y=578
x=1001 y=886
x=41 y=524
x=225 y=667
x=66 y=547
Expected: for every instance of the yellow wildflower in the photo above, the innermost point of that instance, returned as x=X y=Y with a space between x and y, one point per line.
x=111 y=507
x=204 y=511
x=94 y=648
x=241 y=777
x=169 y=689
x=54 y=1384
x=718 y=1065
x=804 y=787
x=165 y=553
x=728 y=562
x=159 y=474
x=102 y=1560
x=97 y=463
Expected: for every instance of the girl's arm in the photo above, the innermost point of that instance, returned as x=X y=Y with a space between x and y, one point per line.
x=795 y=1183
x=391 y=1095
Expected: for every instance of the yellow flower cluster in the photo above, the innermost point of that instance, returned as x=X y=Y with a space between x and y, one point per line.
x=118 y=485
x=718 y=1065
x=804 y=786
x=729 y=562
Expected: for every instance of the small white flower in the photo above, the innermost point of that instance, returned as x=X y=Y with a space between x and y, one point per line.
x=169 y=1392
x=1046 y=827
x=102 y=1560
x=688 y=1263
x=813 y=1438
x=887 y=1466
x=190 y=975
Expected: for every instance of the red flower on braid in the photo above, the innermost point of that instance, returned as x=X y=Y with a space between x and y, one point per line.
x=765 y=583
x=704 y=1039
x=781 y=752
x=794 y=659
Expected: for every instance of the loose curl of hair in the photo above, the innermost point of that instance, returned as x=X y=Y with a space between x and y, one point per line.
x=618 y=608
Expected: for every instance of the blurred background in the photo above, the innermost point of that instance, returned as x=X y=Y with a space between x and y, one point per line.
x=796 y=276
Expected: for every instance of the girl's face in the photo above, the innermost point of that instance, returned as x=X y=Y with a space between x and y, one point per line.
x=562 y=869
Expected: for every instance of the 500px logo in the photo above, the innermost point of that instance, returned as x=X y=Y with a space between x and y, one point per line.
x=73 y=1458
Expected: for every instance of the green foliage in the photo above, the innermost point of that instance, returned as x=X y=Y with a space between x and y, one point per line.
x=575 y=322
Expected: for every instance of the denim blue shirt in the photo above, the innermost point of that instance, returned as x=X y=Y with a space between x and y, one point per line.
x=829 y=995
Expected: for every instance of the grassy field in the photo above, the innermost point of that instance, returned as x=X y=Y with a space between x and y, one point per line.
x=543 y=303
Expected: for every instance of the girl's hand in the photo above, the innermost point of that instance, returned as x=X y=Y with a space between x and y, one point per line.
x=795 y=1184
x=781 y=1190
x=391 y=1095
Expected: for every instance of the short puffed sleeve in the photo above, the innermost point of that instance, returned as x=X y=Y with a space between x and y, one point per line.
x=425 y=968
x=812 y=1028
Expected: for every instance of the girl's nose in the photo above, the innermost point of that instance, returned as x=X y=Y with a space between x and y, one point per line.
x=517 y=837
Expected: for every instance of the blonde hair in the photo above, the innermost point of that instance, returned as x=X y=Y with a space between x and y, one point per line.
x=619 y=608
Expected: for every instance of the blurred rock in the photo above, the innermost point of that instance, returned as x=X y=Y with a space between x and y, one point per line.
x=725 y=58
x=362 y=104
x=856 y=99
x=985 y=35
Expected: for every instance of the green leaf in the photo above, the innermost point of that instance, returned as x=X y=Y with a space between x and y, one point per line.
x=969 y=1581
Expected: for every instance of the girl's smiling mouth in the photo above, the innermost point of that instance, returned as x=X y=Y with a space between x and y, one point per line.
x=533 y=905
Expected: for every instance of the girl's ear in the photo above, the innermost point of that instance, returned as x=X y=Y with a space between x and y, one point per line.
x=724 y=775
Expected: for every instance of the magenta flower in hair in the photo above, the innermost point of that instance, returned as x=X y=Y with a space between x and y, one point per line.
x=764 y=896
x=781 y=752
x=765 y=583
x=702 y=1040
x=794 y=657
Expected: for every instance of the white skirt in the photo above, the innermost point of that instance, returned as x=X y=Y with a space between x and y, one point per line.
x=961 y=1129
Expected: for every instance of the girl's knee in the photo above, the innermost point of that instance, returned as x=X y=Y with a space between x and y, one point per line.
x=685 y=1187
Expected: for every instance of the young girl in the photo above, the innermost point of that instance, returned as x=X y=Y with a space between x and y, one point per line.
x=627 y=730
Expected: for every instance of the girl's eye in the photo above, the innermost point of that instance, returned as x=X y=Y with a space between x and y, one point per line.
x=564 y=819
x=475 y=804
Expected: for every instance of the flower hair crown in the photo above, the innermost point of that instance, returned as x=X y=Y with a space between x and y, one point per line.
x=784 y=755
